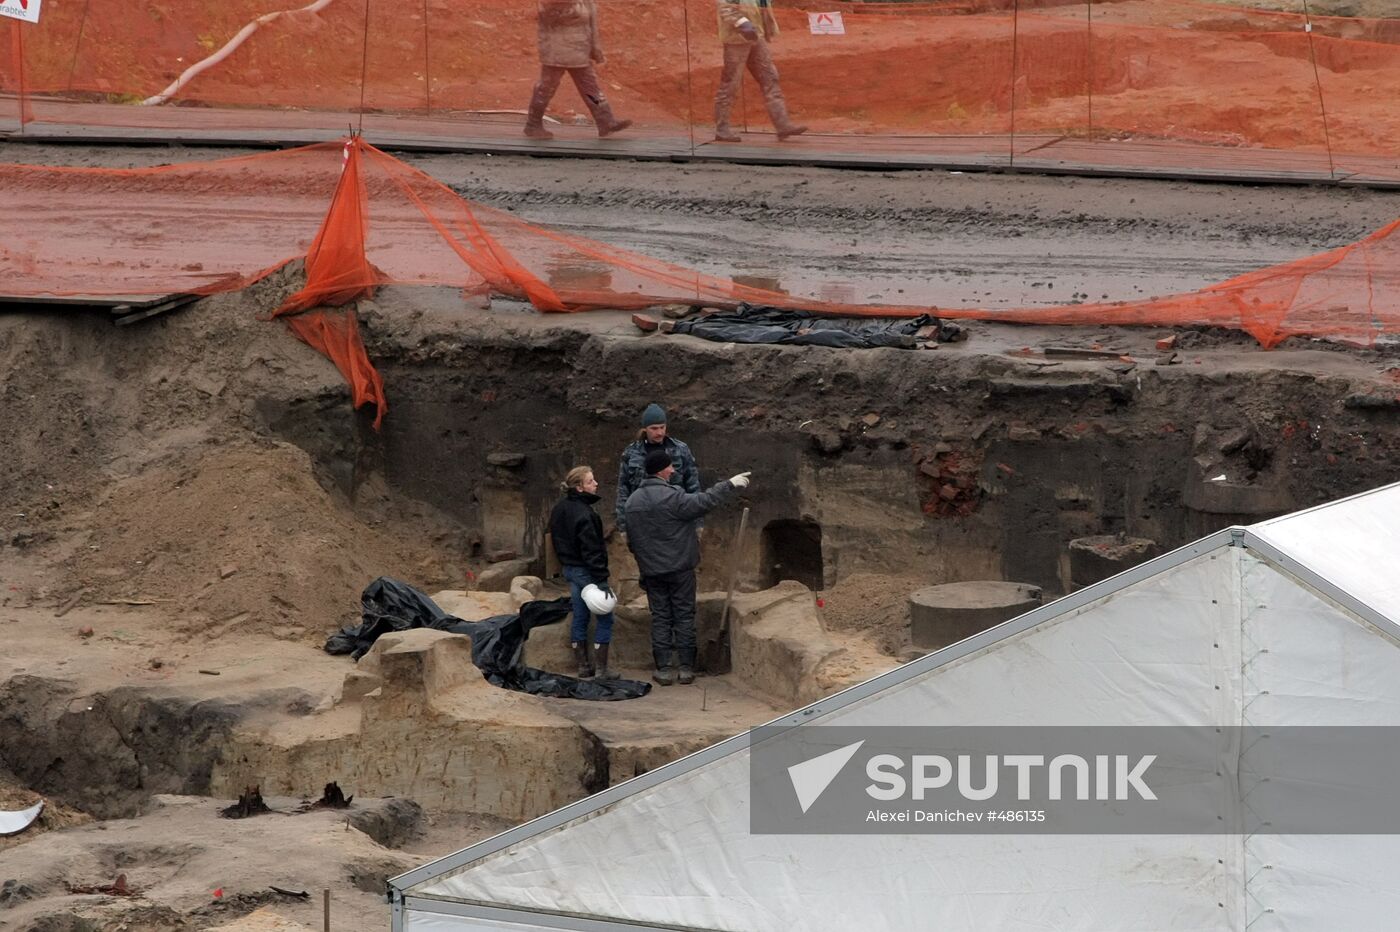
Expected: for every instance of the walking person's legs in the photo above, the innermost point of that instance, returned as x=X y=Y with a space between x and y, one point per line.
x=765 y=72
x=545 y=87
x=577 y=578
x=730 y=77
x=586 y=80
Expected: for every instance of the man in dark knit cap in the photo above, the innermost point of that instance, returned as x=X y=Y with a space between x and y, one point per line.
x=661 y=533
x=651 y=438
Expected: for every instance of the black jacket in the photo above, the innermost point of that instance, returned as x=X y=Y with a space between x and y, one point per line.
x=577 y=532
x=661 y=524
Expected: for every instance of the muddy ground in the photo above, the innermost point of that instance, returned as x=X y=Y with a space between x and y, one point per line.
x=196 y=491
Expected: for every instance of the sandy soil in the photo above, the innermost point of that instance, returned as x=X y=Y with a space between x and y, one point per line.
x=873 y=605
x=190 y=869
x=160 y=470
x=1156 y=68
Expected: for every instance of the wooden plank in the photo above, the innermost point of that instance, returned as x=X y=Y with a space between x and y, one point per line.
x=110 y=301
x=164 y=307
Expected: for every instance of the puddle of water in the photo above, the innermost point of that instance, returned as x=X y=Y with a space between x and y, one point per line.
x=573 y=275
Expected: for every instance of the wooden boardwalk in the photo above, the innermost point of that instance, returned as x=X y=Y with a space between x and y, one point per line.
x=113 y=124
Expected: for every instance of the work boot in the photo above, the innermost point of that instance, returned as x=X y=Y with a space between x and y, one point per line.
x=613 y=126
x=664 y=674
x=687 y=674
x=600 y=654
x=585 y=663
x=724 y=134
x=602 y=113
x=790 y=129
x=534 y=116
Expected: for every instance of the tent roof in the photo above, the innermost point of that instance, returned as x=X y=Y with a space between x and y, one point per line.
x=1328 y=548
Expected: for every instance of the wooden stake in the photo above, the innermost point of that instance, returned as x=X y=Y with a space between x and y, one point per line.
x=733 y=576
x=327 y=912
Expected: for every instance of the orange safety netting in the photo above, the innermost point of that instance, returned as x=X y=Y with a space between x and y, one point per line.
x=1126 y=84
x=207 y=227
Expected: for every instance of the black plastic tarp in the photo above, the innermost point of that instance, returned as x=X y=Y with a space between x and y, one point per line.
x=761 y=324
x=498 y=643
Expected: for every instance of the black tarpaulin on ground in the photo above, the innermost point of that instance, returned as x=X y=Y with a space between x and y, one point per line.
x=498 y=643
x=753 y=323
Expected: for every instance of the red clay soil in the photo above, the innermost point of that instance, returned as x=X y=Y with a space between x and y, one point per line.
x=1174 y=70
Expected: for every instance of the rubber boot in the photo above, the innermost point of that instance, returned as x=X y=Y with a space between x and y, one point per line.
x=687 y=673
x=600 y=656
x=723 y=132
x=615 y=126
x=778 y=113
x=585 y=663
x=664 y=675
x=788 y=128
x=534 y=118
x=603 y=117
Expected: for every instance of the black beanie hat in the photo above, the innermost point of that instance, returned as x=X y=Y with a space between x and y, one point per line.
x=656 y=461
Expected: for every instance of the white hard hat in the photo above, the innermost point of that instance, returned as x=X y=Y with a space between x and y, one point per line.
x=598 y=602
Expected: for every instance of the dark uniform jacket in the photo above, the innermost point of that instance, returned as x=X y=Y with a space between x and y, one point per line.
x=661 y=524
x=632 y=473
x=577 y=532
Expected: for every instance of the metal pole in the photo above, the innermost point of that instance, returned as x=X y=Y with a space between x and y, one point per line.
x=364 y=72
x=427 y=64
x=77 y=43
x=1317 y=80
x=1015 y=39
x=17 y=49
x=1089 y=52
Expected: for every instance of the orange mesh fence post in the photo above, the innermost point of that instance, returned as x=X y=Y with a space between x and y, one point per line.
x=9 y=82
x=1051 y=86
x=26 y=114
x=1358 y=66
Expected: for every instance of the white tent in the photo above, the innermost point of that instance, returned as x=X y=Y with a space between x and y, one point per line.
x=1288 y=622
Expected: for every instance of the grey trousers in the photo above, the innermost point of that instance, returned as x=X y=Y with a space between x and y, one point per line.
x=671 y=599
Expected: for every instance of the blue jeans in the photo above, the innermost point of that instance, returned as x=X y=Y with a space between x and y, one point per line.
x=579 y=577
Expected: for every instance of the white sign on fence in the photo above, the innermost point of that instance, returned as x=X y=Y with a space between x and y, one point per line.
x=826 y=24
x=27 y=10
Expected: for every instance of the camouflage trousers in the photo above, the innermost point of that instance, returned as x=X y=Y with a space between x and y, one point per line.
x=585 y=79
x=759 y=60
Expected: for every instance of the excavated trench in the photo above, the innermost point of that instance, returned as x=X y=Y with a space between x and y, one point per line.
x=950 y=465
x=961 y=463
x=210 y=443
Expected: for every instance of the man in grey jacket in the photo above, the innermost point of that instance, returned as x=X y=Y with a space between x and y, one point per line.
x=661 y=523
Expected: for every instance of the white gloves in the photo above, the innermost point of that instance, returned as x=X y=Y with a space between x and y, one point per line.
x=740 y=481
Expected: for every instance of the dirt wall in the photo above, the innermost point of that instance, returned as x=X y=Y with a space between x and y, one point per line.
x=958 y=463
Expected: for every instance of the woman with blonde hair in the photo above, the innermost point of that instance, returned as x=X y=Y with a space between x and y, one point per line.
x=577 y=532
